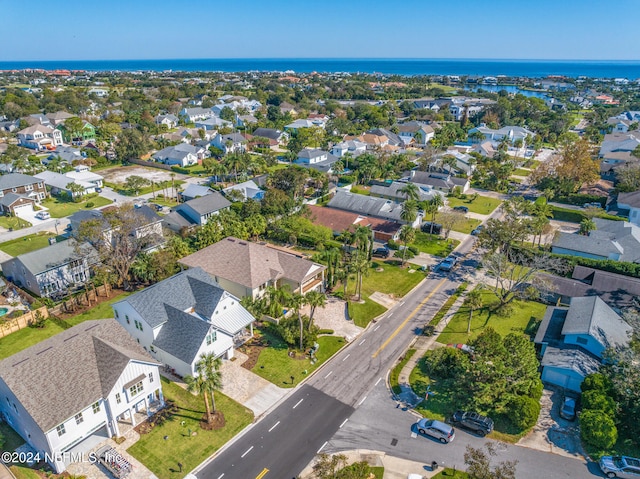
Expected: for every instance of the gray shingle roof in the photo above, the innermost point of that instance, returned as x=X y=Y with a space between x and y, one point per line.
x=56 y=255
x=590 y=315
x=182 y=334
x=632 y=199
x=209 y=203
x=367 y=205
x=270 y=133
x=586 y=244
x=10 y=198
x=16 y=180
x=570 y=358
x=62 y=375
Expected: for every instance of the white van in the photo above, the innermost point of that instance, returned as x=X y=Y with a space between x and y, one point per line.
x=43 y=215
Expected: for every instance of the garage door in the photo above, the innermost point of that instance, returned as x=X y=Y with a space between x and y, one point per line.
x=562 y=379
x=27 y=208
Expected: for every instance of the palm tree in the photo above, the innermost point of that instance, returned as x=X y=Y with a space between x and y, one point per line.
x=587 y=226
x=331 y=256
x=407 y=235
x=235 y=162
x=207 y=380
x=297 y=301
x=277 y=300
x=410 y=191
x=473 y=301
x=361 y=265
x=315 y=299
x=362 y=239
x=173 y=184
x=409 y=211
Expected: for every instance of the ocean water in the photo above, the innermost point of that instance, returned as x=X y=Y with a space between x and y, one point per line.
x=520 y=68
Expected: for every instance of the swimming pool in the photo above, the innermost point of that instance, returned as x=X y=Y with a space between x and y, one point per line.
x=3 y=311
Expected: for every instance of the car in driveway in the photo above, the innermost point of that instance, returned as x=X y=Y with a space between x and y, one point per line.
x=448 y=263
x=624 y=467
x=381 y=253
x=461 y=209
x=436 y=429
x=473 y=421
x=568 y=408
x=43 y=215
x=477 y=230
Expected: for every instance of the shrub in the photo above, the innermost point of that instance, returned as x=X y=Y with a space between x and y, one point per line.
x=408 y=255
x=524 y=411
x=325 y=331
x=598 y=401
x=90 y=204
x=598 y=429
x=596 y=382
x=391 y=244
x=535 y=391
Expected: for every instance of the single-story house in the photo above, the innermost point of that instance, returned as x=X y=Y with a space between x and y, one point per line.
x=392 y=191
x=73 y=391
x=183 y=317
x=340 y=221
x=246 y=269
x=370 y=206
x=199 y=210
x=443 y=182
x=572 y=340
x=248 y=190
x=193 y=191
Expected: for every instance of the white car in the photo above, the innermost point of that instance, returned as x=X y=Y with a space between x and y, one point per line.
x=43 y=215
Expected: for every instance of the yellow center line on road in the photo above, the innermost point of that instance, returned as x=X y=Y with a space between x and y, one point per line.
x=413 y=313
x=262 y=474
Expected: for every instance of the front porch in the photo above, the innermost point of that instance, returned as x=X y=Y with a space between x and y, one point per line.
x=138 y=413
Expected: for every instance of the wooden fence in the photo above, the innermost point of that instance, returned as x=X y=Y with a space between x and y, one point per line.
x=150 y=164
x=11 y=325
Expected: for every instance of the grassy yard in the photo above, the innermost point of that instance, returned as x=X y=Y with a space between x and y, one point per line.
x=520 y=319
x=522 y=172
x=394 y=375
x=164 y=201
x=361 y=190
x=362 y=313
x=275 y=365
x=167 y=444
x=13 y=222
x=482 y=205
x=16 y=342
x=467 y=225
x=60 y=207
x=24 y=473
x=434 y=244
x=159 y=187
x=392 y=280
x=451 y=474
x=28 y=243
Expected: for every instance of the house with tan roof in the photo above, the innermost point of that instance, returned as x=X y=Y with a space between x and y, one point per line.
x=39 y=137
x=245 y=269
x=70 y=392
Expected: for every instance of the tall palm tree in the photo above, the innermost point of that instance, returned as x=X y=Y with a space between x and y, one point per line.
x=407 y=235
x=315 y=299
x=410 y=191
x=409 y=211
x=297 y=302
x=331 y=256
x=361 y=266
x=277 y=300
x=362 y=239
x=473 y=301
x=207 y=380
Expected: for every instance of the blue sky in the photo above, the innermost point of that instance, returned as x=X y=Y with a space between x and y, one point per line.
x=143 y=29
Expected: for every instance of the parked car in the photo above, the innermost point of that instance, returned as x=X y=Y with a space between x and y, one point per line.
x=624 y=467
x=477 y=230
x=98 y=190
x=426 y=228
x=568 y=409
x=437 y=429
x=381 y=253
x=448 y=263
x=43 y=215
x=462 y=209
x=473 y=421
x=593 y=204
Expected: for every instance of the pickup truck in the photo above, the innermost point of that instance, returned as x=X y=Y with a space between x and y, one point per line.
x=473 y=421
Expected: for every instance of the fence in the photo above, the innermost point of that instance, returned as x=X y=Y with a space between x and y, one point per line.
x=11 y=325
x=150 y=164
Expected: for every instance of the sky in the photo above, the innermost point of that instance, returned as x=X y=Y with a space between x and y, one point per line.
x=469 y=29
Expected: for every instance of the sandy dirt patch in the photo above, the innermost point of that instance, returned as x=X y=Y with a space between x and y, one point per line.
x=120 y=174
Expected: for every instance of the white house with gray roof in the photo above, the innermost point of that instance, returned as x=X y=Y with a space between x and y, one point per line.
x=181 y=155
x=317 y=159
x=69 y=393
x=199 y=210
x=630 y=201
x=193 y=114
x=53 y=270
x=187 y=315
x=572 y=340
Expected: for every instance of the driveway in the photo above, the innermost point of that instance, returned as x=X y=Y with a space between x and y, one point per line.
x=552 y=433
x=334 y=316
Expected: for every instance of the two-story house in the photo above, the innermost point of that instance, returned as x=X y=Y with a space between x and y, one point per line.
x=78 y=388
x=417 y=131
x=39 y=137
x=230 y=143
x=182 y=155
x=53 y=270
x=190 y=115
x=20 y=192
x=169 y=120
x=246 y=269
x=199 y=210
x=187 y=315
x=572 y=340
x=317 y=159
x=353 y=147
x=630 y=202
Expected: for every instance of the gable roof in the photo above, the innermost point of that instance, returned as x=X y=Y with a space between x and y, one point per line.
x=208 y=203
x=10 y=198
x=177 y=152
x=367 y=205
x=590 y=315
x=81 y=365
x=270 y=133
x=182 y=334
x=194 y=191
x=632 y=199
x=572 y=359
x=56 y=255
x=250 y=264
x=16 y=180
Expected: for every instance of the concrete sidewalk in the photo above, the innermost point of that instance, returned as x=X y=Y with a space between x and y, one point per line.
x=394 y=467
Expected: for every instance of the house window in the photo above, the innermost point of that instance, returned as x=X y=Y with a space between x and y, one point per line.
x=126 y=316
x=211 y=338
x=60 y=430
x=79 y=418
x=136 y=389
x=581 y=340
x=95 y=407
x=28 y=187
x=115 y=313
x=118 y=398
x=138 y=324
x=153 y=350
x=150 y=377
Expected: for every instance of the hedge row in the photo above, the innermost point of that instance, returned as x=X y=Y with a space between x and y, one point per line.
x=580 y=200
x=575 y=216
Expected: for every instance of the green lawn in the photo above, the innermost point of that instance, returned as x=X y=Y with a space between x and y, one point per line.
x=59 y=207
x=434 y=244
x=16 y=342
x=276 y=167
x=159 y=187
x=520 y=319
x=169 y=443
x=394 y=375
x=392 y=280
x=13 y=222
x=24 y=473
x=361 y=190
x=522 y=172
x=164 y=201
x=450 y=474
x=467 y=225
x=28 y=243
x=482 y=205
x=275 y=365
x=12 y=439
x=362 y=313
x=378 y=472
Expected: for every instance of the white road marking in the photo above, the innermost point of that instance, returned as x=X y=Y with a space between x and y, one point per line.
x=247 y=451
x=274 y=426
x=346 y=357
x=298 y=403
x=390 y=314
x=344 y=422
x=362 y=342
x=330 y=373
x=378 y=381
x=321 y=447
x=360 y=403
x=377 y=327
x=400 y=303
x=220 y=476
